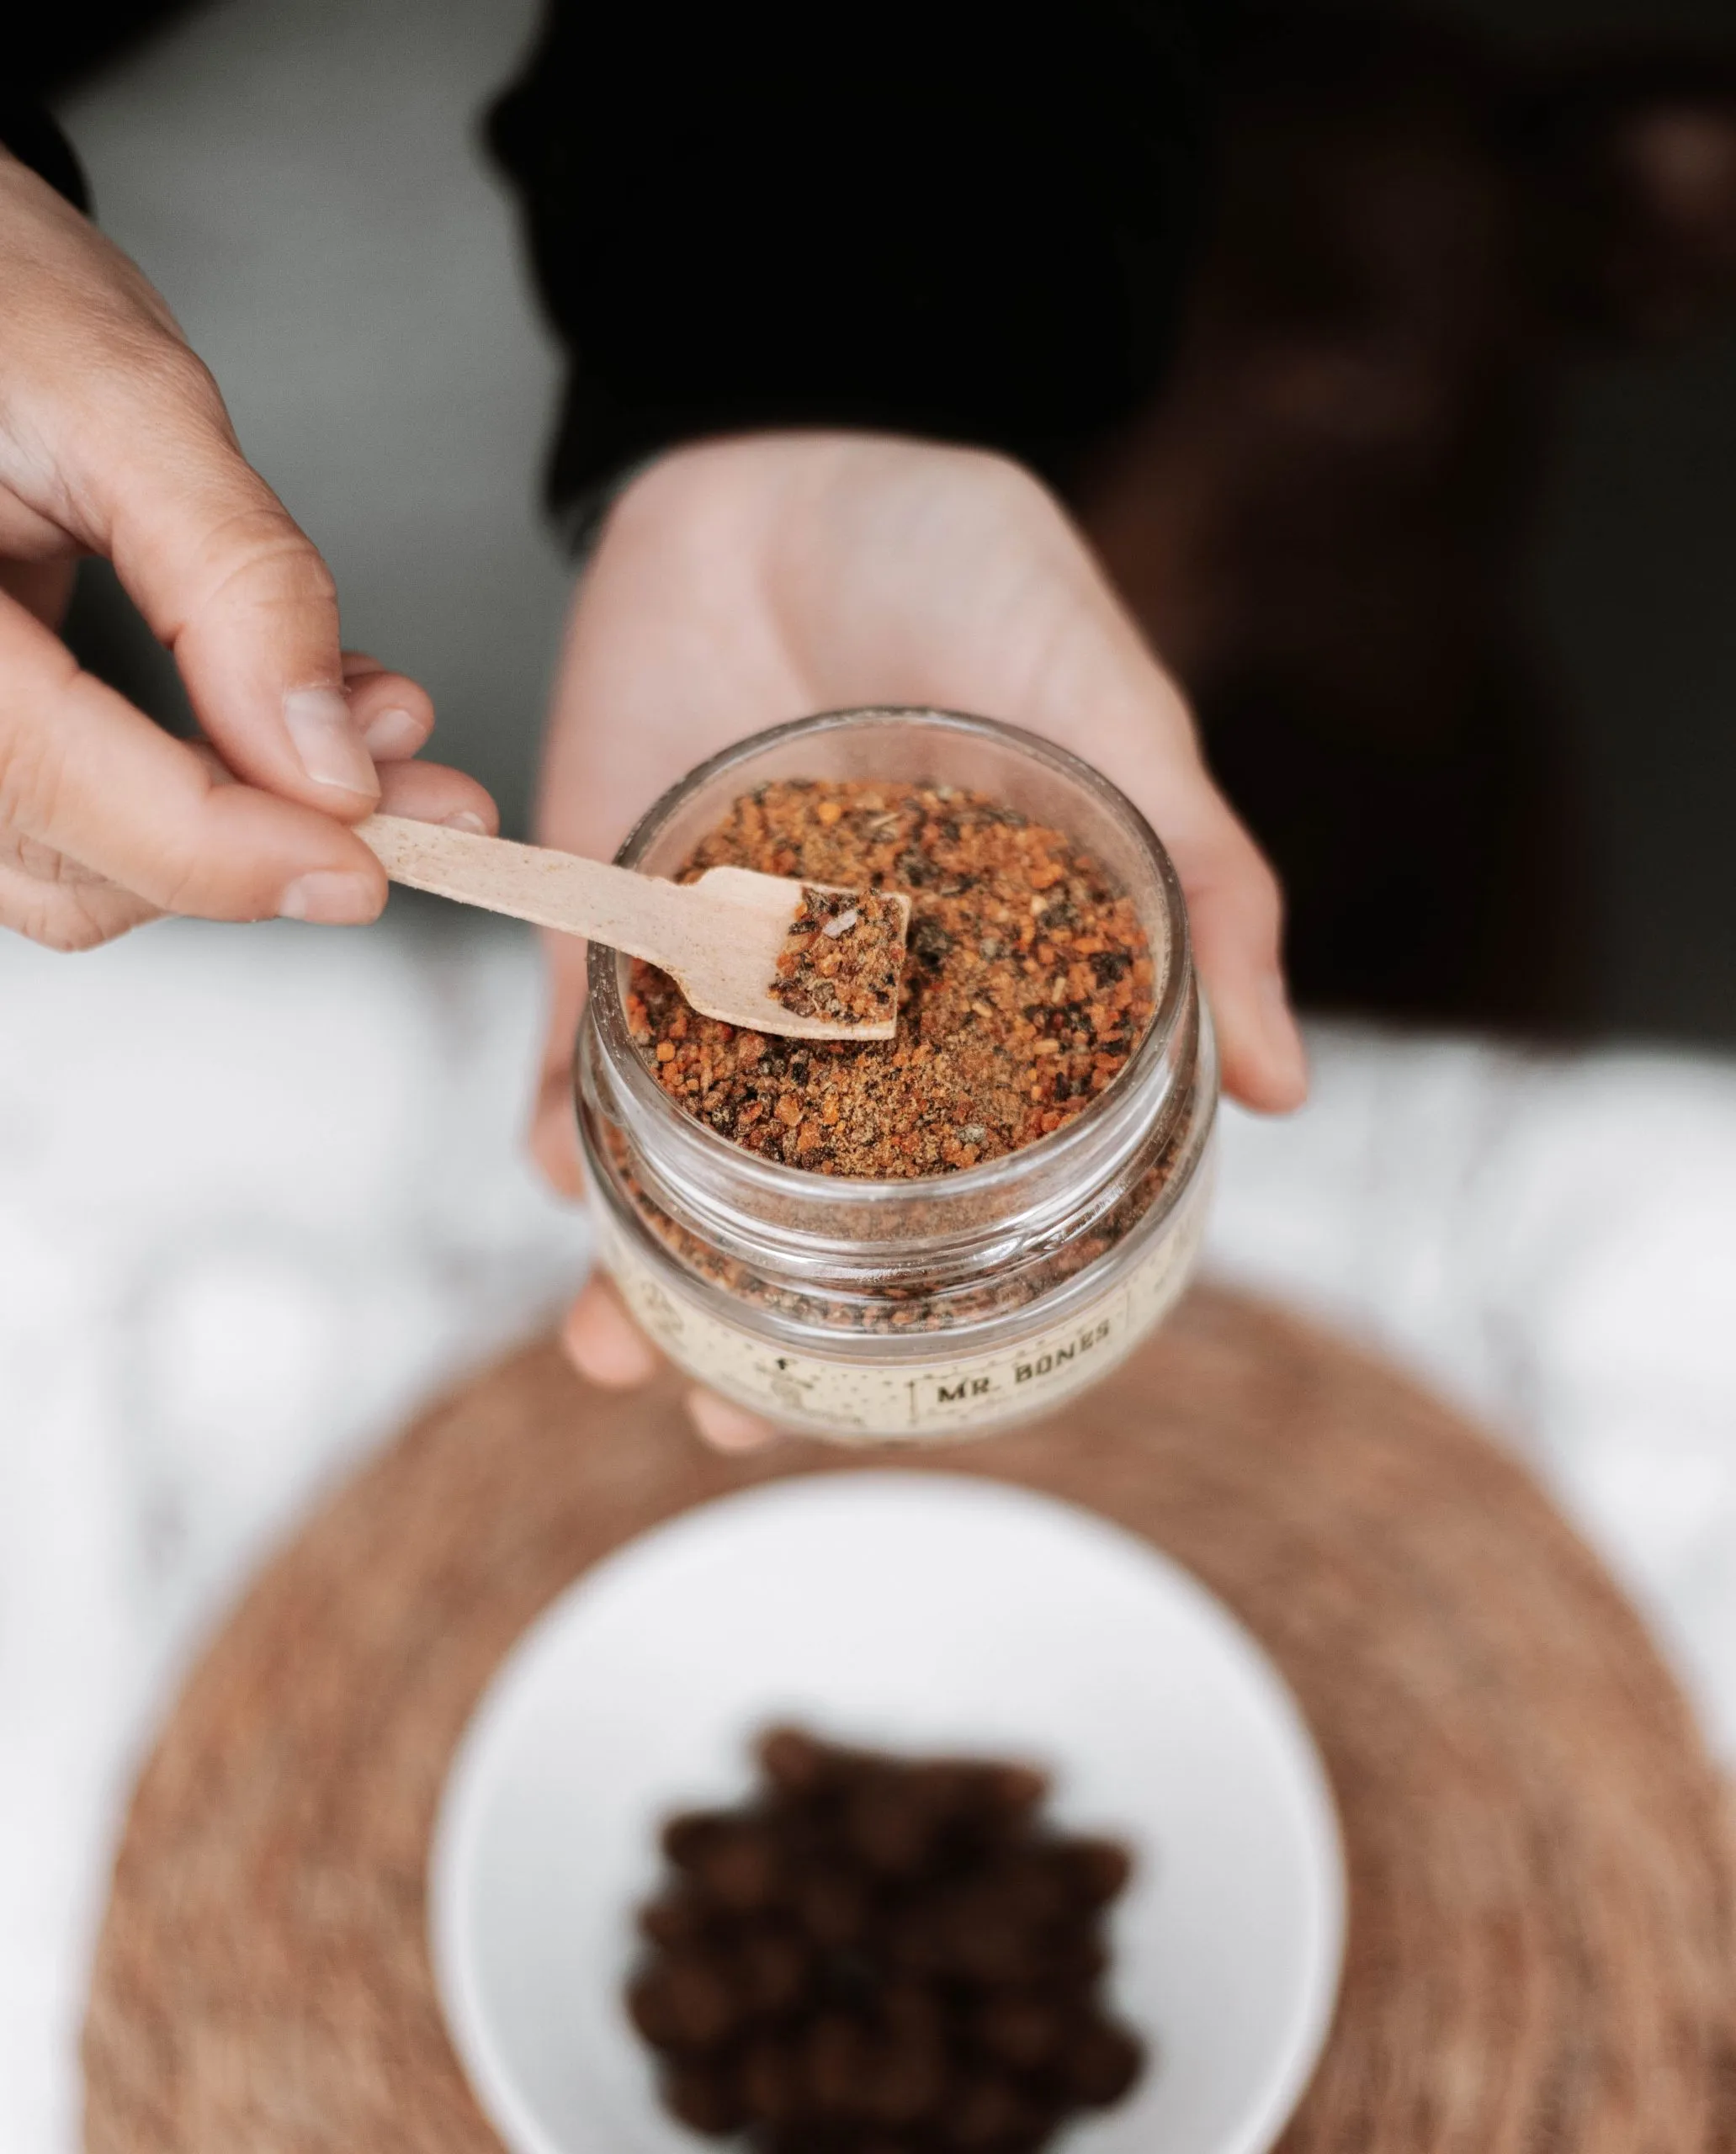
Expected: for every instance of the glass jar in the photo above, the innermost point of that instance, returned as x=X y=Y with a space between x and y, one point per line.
x=867 y=1311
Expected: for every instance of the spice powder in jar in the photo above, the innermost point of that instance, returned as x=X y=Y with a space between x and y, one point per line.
x=934 y=1234
x=1028 y=983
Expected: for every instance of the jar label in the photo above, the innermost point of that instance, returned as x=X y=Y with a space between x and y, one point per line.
x=921 y=1400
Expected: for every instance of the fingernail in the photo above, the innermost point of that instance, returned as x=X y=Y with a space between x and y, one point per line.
x=327 y=742
x=331 y=896
x=392 y=733
x=466 y=818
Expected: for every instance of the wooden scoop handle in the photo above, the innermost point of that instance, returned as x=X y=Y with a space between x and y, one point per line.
x=720 y=939
x=645 y=917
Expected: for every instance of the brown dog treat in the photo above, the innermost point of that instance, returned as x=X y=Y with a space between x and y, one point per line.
x=687 y=1836
x=837 y=2061
x=648 y=2008
x=1023 y=2031
x=772 y=2085
x=797 y=1765
x=1014 y=1791
x=705 y=2097
x=683 y=2002
x=984 y=1793
x=983 y=2113
x=1032 y=1881
x=1101 y=2062
x=1077 y=1957
x=893 y=1823
x=674 y=1918
x=737 y=1864
x=916 y=1940
x=775 y=1965
x=912 y=2012
x=831 y=1907
x=805 y=2136
x=1042 y=2120
x=983 y=1936
x=908 y=2081
x=1099 y=1868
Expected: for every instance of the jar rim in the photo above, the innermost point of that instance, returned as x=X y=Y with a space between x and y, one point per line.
x=1080 y=1135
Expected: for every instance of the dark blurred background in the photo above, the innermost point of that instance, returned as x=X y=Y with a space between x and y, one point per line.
x=1633 y=583
x=1436 y=515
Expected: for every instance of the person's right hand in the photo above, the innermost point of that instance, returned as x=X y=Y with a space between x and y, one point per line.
x=114 y=441
x=738 y=582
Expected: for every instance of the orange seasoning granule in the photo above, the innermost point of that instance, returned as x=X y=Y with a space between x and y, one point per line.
x=1028 y=982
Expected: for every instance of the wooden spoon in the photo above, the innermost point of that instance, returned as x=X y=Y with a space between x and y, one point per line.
x=719 y=939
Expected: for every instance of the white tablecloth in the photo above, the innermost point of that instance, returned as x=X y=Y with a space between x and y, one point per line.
x=261 y=1190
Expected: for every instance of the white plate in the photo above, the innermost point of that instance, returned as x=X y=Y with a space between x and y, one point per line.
x=921 y=1612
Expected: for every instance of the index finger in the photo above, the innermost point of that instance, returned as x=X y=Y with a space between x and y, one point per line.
x=228 y=581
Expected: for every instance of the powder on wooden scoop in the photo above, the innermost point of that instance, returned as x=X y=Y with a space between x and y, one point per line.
x=842 y=957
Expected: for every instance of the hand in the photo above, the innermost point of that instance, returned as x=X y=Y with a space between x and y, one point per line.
x=114 y=440
x=743 y=582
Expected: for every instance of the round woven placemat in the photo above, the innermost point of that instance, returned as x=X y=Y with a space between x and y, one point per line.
x=1540 y=1954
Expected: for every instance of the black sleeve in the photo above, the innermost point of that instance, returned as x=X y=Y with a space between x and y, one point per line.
x=963 y=221
x=51 y=49
x=34 y=138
